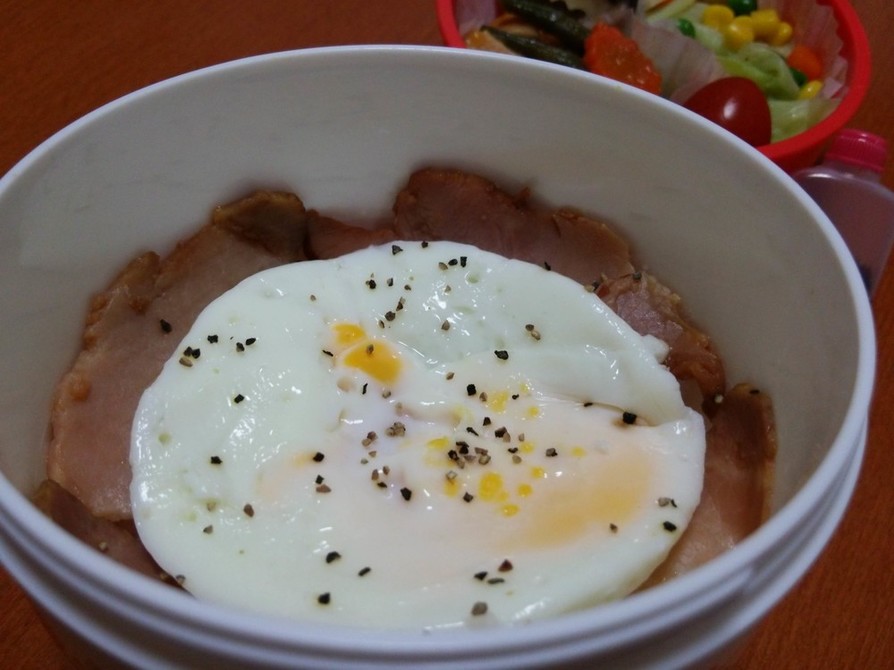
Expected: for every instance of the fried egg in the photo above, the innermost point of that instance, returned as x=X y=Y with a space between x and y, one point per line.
x=415 y=435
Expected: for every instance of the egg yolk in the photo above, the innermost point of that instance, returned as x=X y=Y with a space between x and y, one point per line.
x=376 y=358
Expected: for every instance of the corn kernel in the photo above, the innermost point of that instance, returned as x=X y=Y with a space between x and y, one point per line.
x=782 y=35
x=738 y=33
x=765 y=23
x=810 y=90
x=717 y=16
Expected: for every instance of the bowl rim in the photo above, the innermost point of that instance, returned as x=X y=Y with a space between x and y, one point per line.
x=855 y=49
x=93 y=569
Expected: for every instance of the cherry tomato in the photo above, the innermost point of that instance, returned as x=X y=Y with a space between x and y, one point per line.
x=737 y=104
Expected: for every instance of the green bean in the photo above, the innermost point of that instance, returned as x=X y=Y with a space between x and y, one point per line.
x=551 y=19
x=534 y=48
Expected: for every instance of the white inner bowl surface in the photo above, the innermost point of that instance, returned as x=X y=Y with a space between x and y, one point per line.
x=758 y=265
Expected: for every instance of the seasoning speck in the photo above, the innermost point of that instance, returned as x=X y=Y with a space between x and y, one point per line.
x=406 y=493
x=664 y=502
x=319 y=456
x=629 y=418
x=215 y=460
x=669 y=526
x=165 y=326
x=239 y=398
x=364 y=571
x=212 y=339
x=208 y=530
x=249 y=510
x=505 y=566
x=471 y=390
x=332 y=556
x=502 y=354
x=479 y=608
x=324 y=598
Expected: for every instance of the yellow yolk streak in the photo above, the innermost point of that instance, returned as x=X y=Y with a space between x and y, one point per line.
x=376 y=358
x=562 y=506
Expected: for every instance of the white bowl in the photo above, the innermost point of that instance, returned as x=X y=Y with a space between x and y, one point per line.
x=756 y=260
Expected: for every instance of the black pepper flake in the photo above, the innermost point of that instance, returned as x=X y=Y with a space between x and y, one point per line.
x=215 y=460
x=424 y=244
x=613 y=527
x=395 y=250
x=324 y=598
x=250 y=341
x=240 y=346
x=629 y=418
x=327 y=352
x=471 y=390
x=481 y=576
x=192 y=353
x=332 y=556
x=669 y=526
x=390 y=281
x=485 y=421
x=319 y=479
x=495 y=580
x=208 y=530
x=664 y=502
x=462 y=261
x=445 y=325
x=505 y=566
x=249 y=510
x=479 y=608
x=371 y=283
x=551 y=452
x=390 y=316
x=442 y=265
x=468 y=497
x=165 y=326
x=547 y=265
x=471 y=430
x=212 y=339
x=239 y=398
x=637 y=276
x=406 y=493
x=319 y=456
x=364 y=571
x=502 y=354
x=500 y=432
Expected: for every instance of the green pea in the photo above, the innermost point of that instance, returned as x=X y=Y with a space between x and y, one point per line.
x=742 y=7
x=686 y=27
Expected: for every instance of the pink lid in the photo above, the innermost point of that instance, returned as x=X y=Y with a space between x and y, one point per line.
x=860 y=148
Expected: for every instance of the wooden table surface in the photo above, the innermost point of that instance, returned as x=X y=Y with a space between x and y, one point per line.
x=60 y=60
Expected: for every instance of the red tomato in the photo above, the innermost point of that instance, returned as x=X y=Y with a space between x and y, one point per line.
x=737 y=104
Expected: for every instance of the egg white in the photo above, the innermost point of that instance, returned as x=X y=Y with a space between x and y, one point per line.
x=413 y=435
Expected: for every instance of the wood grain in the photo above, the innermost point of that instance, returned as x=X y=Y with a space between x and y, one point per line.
x=59 y=61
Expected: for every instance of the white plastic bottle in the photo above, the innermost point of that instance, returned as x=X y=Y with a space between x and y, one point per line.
x=847 y=186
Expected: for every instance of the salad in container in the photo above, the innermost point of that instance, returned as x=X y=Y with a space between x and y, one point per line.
x=772 y=72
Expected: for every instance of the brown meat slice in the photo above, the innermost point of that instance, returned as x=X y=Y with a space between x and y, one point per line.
x=650 y=308
x=739 y=462
x=117 y=540
x=132 y=329
x=440 y=204
x=328 y=238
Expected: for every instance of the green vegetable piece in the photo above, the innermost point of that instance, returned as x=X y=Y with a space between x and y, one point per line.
x=534 y=48
x=764 y=67
x=742 y=7
x=686 y=27
x=800 y=77
x=551 y=19
x=790 y=117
